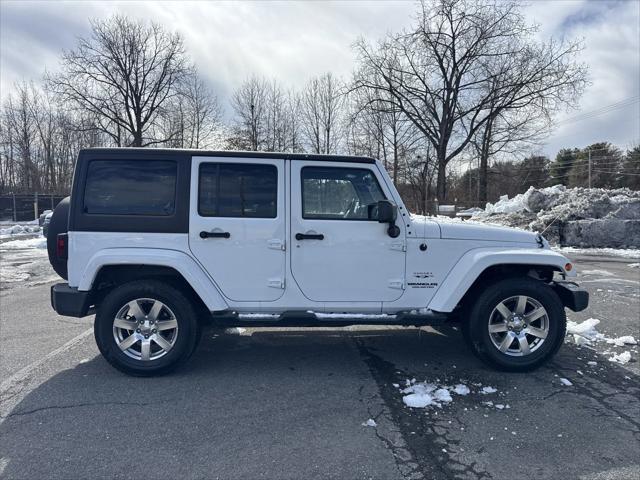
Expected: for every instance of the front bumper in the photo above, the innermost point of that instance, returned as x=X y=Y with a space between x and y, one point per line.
x=70 y=301
x=571 y=295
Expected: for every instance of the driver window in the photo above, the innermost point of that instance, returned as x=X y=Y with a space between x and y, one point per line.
x=335 y=193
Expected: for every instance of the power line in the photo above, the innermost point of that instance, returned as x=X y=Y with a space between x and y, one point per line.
x=600 y=111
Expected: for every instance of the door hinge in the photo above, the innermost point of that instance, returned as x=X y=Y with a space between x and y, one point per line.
x=400 y=246
x=276 y=244
x=397 y=284
x=276 y=283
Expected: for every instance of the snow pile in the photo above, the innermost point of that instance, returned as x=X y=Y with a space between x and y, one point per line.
x=461 y=389
x=427 y=394
x=566 y=382
x=584 y=217
x=18 y=230
x=370 y=423
x=25 y=262
x=421 y=395
x=621 y=358
x=622 y=341
x=584 y=333
x=615 y=252
x=38 y=242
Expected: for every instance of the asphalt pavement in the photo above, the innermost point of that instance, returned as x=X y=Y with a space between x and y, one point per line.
x=291 y=403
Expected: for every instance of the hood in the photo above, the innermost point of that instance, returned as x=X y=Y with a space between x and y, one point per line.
x=475 y=231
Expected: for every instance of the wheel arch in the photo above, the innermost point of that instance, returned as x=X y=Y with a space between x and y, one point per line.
x=120 y=265
x=477 y=269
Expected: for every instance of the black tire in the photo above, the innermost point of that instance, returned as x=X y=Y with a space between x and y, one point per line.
x=59 y=223
x=475 y=328
x=187 y=334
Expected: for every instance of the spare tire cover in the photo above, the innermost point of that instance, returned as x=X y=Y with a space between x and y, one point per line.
x=59 y=224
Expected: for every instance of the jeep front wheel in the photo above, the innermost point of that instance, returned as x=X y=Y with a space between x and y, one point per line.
x=516 y=324
x=146 y=328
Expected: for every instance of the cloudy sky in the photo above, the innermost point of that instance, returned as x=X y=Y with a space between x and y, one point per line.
x=295 y=40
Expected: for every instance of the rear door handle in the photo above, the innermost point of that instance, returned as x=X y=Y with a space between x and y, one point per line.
x=309 y=236
x=204 y=234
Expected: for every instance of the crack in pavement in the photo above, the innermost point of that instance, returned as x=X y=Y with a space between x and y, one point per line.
x=424 y=444
x=80 y=405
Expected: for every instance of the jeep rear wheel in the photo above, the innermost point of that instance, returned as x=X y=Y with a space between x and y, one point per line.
x=146 y=328
x=516 y=324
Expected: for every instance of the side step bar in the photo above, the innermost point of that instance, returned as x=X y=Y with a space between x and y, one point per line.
x=309 y=319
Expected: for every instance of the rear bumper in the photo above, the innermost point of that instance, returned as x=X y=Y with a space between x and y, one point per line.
x=69 y=301
x=572 y=296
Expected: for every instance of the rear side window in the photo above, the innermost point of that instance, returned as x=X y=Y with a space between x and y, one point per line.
x=122 y=187
x=238 y=190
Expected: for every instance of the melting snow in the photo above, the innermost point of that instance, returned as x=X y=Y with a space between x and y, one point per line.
x=18 y=230
x=423 y=394
x=487 y=390
x=622 y=358
x=622 y=341
x=585 y=332
x=461 y=389
x=370 y=423
x=566 y=382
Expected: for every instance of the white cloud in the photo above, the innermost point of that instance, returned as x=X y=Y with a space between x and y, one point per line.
x=296 y=40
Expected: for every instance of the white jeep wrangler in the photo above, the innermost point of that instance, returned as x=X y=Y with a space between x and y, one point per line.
x=159 y=242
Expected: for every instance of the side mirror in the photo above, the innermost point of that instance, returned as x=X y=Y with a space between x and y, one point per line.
x=387 y=211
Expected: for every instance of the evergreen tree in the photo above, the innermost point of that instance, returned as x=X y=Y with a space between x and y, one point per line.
x=561 y=166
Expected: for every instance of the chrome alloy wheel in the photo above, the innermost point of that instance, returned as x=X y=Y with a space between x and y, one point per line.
x=518 y=325
x=145 y=329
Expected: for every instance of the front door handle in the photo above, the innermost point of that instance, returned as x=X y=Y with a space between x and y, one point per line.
x=204 y=234
x=309 y=236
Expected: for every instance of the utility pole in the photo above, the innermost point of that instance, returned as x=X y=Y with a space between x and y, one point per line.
x=589 y=154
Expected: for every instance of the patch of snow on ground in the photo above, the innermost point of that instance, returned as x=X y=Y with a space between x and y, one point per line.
x=634 y=265
x=622 y=341
x=370 y=423
x=38 y=242
x=488 y=390
x=566 y=382
x=632 y=253
x=419 y=395
x=424 y=394
x=461 y=389
x=621 y=358
x=585 y=332
x=25 y=262
x=602 y=273
x=15 y=230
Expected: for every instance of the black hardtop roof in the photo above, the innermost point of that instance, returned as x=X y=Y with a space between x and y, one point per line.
x=126 y=152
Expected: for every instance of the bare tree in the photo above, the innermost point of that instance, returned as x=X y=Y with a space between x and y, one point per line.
x=249 y=102
x=322 y=113
x=437 y=74
x=124 y=74
x=526 y=88
x=193 y=119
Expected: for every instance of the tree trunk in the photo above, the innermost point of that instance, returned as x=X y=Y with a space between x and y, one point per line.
x=484 y=161
x=441 y=183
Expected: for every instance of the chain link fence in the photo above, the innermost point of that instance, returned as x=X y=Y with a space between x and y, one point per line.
x=26 y=207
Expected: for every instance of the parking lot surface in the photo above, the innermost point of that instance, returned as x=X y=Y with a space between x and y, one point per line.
x=292 y=403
